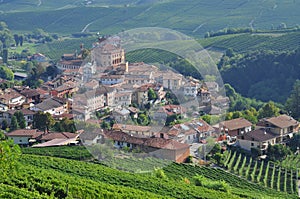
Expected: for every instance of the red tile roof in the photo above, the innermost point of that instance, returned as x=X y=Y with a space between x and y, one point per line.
x=259 y=135
x=159 y=143
x=237 y=123
x=57 y=135
x=32 y=133
x=283 y=121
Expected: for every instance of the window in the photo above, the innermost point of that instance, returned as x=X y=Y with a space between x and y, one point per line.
x=252 y=144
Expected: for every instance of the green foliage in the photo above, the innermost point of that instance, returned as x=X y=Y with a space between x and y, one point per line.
x=263 y=75
x=9 y=154
x=239 y=103
x=294 y=143
x=278 y=152
x=268 y=110
x=13 y=124
x=6 y=73
x=68 y=152
x=43 y=121
x=216 y=185
x=151 y=94
x=20 y=119
x=293 y=102
x=65 y=125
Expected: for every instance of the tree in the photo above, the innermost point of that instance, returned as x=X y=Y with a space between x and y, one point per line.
x=292 y=104
x=268 y=110
x=277 y=152
x=43 y=121
x=17 y=39
x=295 y=142
x=6 y=73
x=20 y=118
x=21 y=39
x=151 y=94
x=4 y=125
x=14 y=123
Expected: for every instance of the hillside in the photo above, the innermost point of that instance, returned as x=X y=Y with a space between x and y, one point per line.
x=44 y=177
x=190 y=17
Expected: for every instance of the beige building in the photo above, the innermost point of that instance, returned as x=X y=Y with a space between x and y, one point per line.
x=107 y=54
x=260 y=138
x=283 y=126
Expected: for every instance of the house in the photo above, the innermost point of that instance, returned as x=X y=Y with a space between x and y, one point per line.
x=24 y=137
x=31 y=95
x=11 y=99
x=283 y=126
x=190 y=89
x=111 y=79
x=260 y=138
x=57 y=135
x=93 y=100
x=121 y=115
x=28 y=116
x=169 y=79
x=65 y=90
x=91 y=137
x=235 y=127
x=54 y=106
x=123 y=98
x=38 y=57
x=156 y=147
x=135 y=130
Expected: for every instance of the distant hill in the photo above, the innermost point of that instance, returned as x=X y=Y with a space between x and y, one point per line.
x=190 y=17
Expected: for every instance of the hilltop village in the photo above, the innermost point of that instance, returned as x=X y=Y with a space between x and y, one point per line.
x=98 y=96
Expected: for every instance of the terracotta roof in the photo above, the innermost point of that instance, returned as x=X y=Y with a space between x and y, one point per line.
x=282 y=121
x=159 y=143
x=128 y=127
x=57 y=135
x=29 y=92
x=24 y=111
x=32 y=133
x=237 y=123
x=259 y=135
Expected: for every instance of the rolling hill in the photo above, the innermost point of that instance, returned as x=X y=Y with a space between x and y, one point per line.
x=190 y=17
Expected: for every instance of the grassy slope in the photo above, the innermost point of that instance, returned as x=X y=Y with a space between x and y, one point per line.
x=174 y=172
x=44 y=176
x=191 y=17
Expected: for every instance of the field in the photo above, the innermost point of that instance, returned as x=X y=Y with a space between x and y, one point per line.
x=190 y=17
x=267 y=174
x=247 y=42
x=177 y=184
x=45 y=177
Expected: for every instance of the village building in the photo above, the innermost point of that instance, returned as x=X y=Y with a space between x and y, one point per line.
x=284 y=126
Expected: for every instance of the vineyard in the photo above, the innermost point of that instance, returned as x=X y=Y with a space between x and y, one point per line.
x=247 y=42
x=265 y=173
x=74 y=153
x=291 y=162
x=50 y=177
x=56 y=49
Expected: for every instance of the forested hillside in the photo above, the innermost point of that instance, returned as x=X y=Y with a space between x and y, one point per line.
x=263 y=75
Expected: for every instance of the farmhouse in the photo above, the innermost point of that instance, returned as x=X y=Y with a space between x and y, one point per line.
x=157 y=147
x=283 y=126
